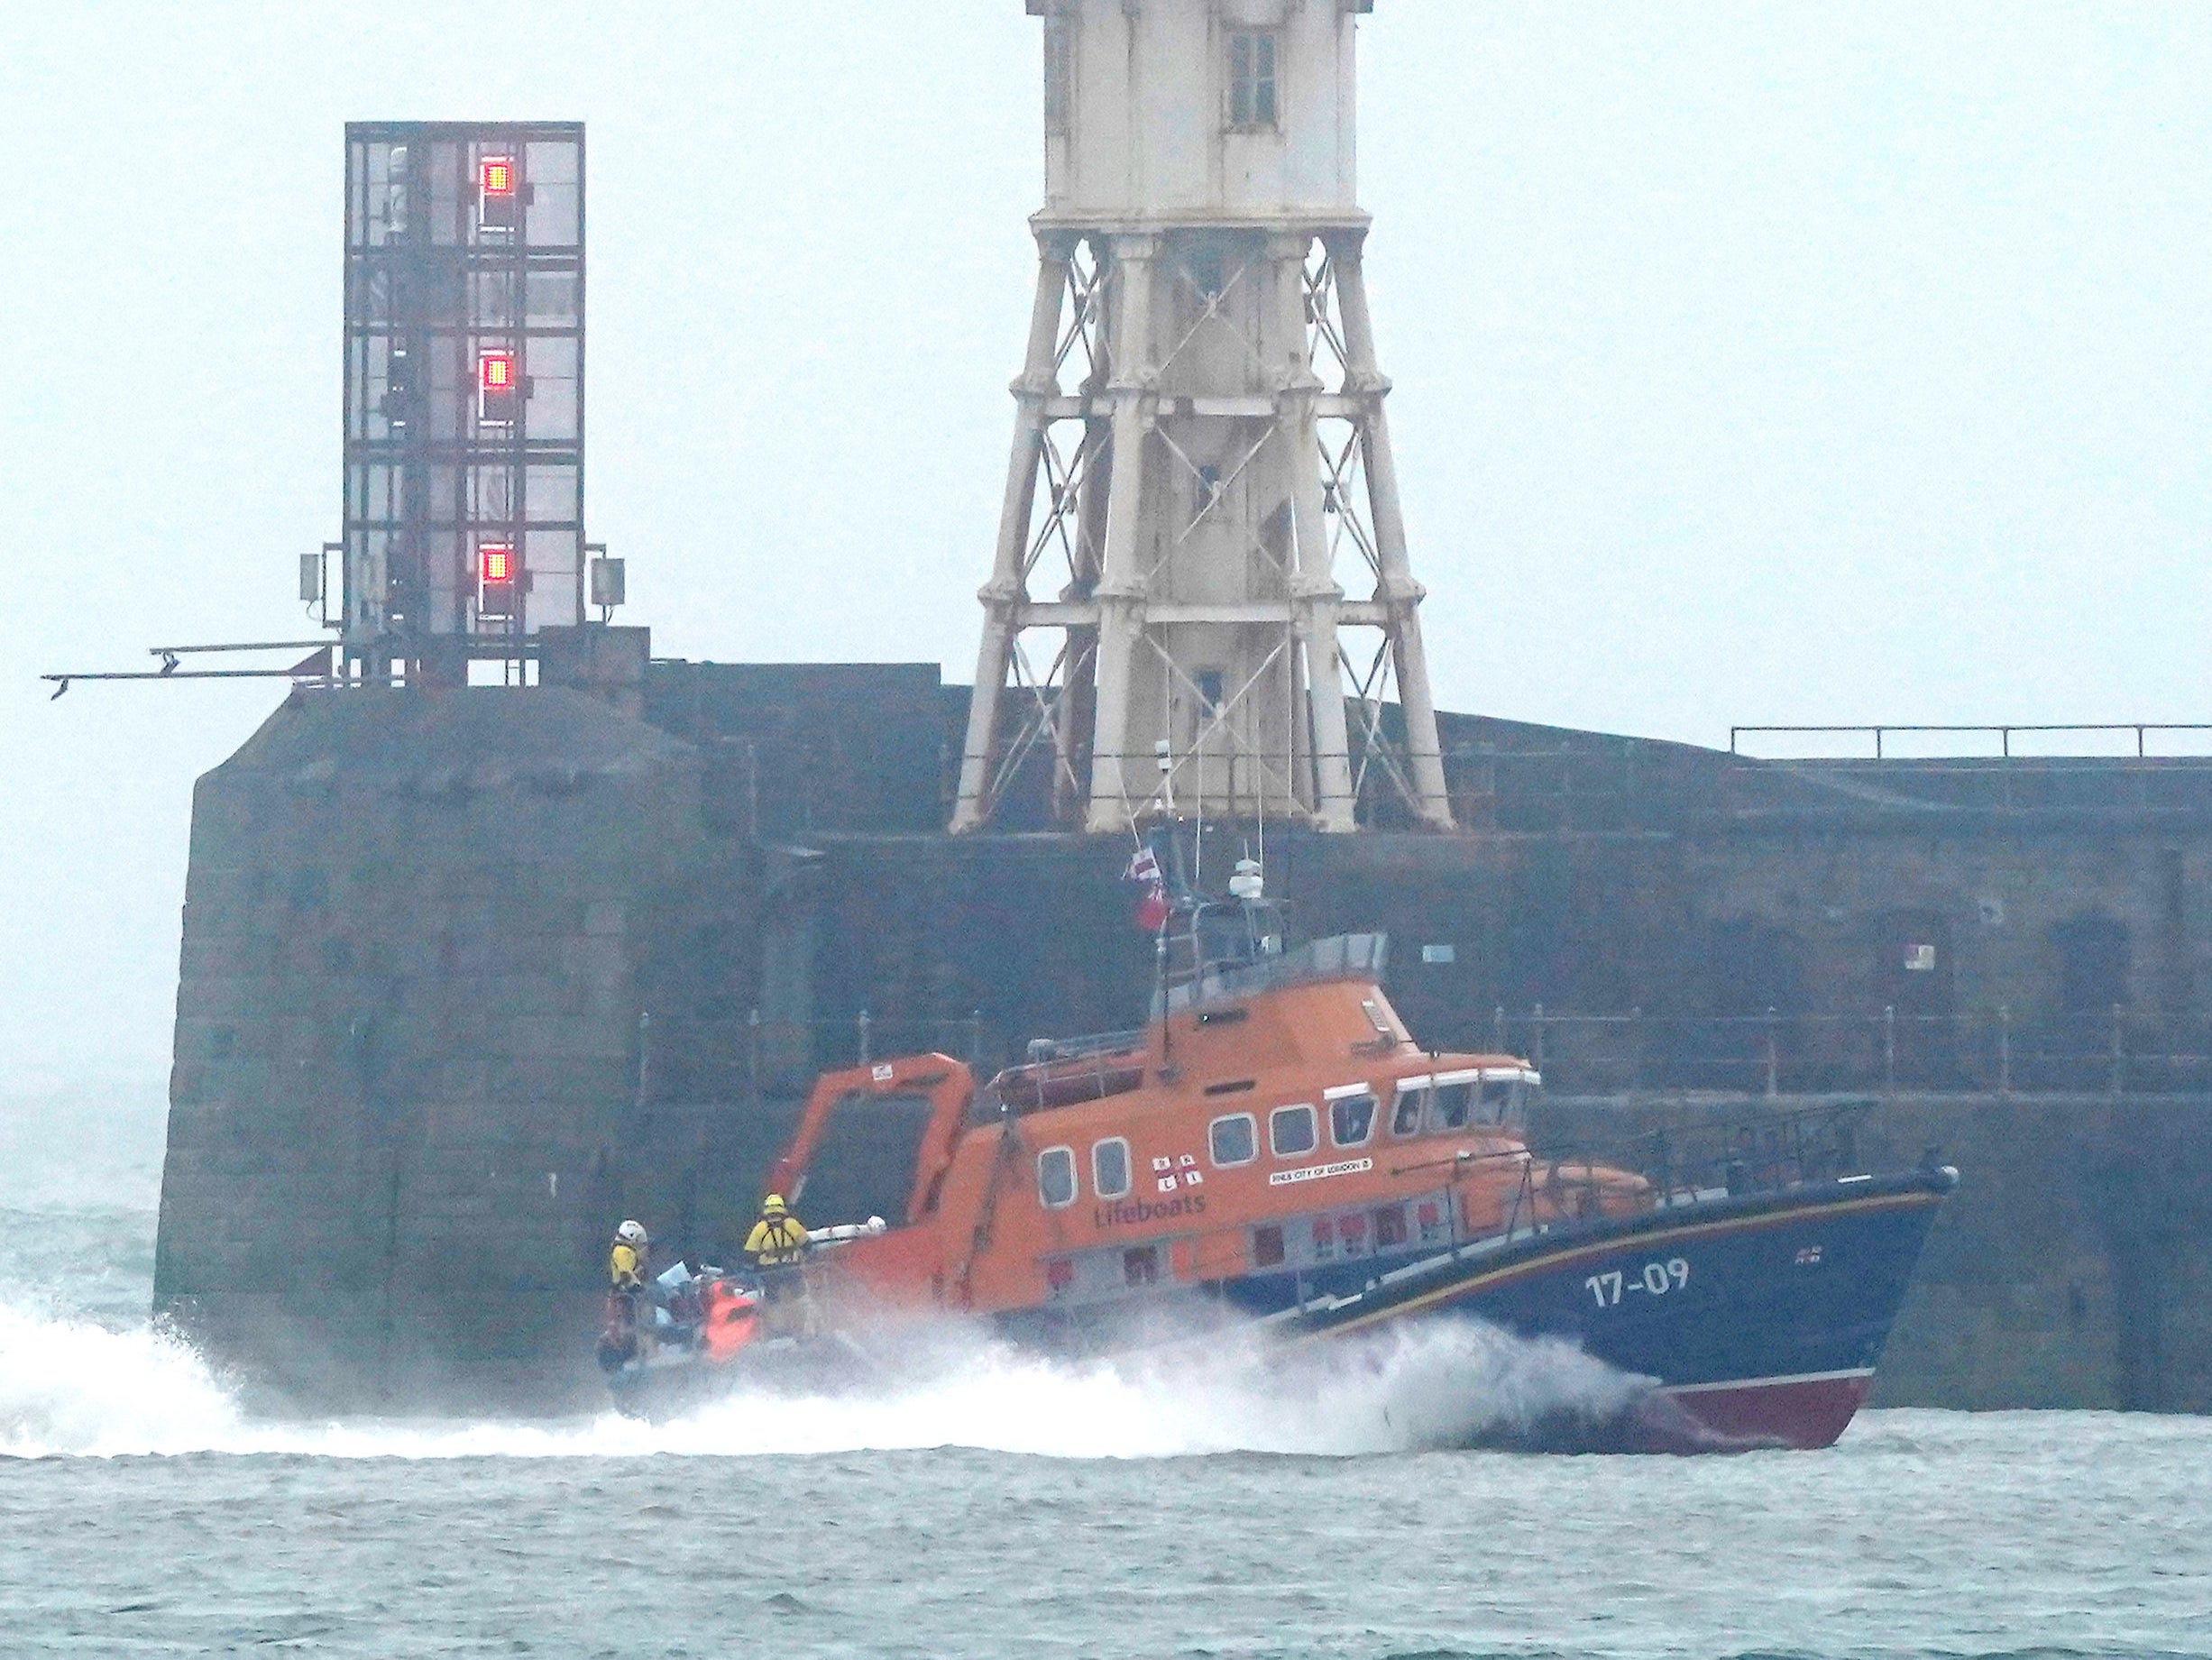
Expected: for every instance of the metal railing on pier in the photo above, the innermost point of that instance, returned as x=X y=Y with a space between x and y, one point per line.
x=2117 y=1050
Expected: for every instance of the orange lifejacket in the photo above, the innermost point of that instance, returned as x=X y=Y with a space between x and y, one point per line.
x=731 y=1319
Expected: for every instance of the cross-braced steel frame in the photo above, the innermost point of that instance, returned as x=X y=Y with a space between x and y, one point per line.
x=1137 y=342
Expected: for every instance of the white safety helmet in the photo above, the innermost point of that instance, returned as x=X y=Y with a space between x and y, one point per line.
x=631 y=1233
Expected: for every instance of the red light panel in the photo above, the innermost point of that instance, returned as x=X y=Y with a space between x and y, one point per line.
x=498 y=370
x=496 y=561
x=496 y=175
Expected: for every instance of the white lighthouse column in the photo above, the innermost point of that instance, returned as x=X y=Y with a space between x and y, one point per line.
x=1121 y=590
x=1400 y=595
x=1315 y=592
x=1004 y=595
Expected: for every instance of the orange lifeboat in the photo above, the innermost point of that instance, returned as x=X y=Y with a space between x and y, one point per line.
x=1276 y=1145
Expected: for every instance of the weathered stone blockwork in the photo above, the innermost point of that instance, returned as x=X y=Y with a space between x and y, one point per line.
x=406 y=1032
x=467 y=977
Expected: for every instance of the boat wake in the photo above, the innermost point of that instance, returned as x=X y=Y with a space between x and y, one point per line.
x=69 y=1387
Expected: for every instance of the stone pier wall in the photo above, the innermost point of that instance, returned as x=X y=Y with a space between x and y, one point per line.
x=469 y=975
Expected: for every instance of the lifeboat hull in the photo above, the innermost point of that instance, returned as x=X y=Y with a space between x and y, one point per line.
x=1752 y=1322
x=1735 y=1324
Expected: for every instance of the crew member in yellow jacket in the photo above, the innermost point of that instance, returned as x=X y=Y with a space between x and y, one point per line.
x=778 y=1240
x=626 y=1262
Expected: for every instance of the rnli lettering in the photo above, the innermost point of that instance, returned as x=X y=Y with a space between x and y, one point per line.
x=1175 y=1173
x=1135 y=1213
x=1315 y=1172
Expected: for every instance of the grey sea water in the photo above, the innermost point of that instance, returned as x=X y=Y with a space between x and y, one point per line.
x=1013 y=1508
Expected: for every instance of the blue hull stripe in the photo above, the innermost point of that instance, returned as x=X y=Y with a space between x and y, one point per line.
x=1790 y=1288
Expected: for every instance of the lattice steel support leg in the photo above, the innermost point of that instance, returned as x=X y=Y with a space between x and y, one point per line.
x=1001 y=598
x=1400 y=593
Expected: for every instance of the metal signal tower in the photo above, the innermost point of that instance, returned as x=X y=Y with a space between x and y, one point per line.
x=464 y=522
x=1200 y=453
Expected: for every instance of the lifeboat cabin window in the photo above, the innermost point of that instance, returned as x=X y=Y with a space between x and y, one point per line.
x=1291 y=1132
x=1501 y=1099
x=1267 y=1246
x=1234 y=1139
x=1056 y=1176
x=1412 y=1097
x=1451 y=1102
x=1109 y=1167
x=1351 y=1119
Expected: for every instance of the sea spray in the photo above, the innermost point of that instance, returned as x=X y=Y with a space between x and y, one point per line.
x=72 y=1386
x=68 y=1387
x=1455 y=1384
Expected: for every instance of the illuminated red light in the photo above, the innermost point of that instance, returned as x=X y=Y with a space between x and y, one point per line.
x=496 y=560
x=498 y=370
x=496 y=175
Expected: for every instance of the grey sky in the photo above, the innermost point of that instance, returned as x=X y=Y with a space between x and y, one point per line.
x=1785 y=362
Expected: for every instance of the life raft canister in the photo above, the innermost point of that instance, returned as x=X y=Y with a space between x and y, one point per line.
x=733 y=1319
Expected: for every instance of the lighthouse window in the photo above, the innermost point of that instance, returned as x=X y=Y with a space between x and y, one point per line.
x=1351 y=1119
x=1109 y=1167
x=1290 y=1131
x=1056 y=1176
x=1234 y=1139
x=1252 y=79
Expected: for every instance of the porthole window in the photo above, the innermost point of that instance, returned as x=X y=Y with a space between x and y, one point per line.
x=1056 y=1176
x=1234 y=1139
x=1290 y=1132
x=1405 y=1115
x=1352 y=1120
x=1109 y=1167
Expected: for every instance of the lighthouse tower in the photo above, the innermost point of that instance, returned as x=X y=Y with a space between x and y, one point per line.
x=1201 y=600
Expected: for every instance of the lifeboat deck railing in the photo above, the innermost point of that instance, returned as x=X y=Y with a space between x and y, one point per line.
x=1730 y=1156
x=1336 y=958
x=1062 y=1071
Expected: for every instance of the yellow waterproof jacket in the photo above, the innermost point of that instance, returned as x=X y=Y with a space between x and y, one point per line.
x=776 y=1242
x=624 y=1268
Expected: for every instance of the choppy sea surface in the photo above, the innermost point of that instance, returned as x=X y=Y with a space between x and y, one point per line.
x=1008 y=1508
